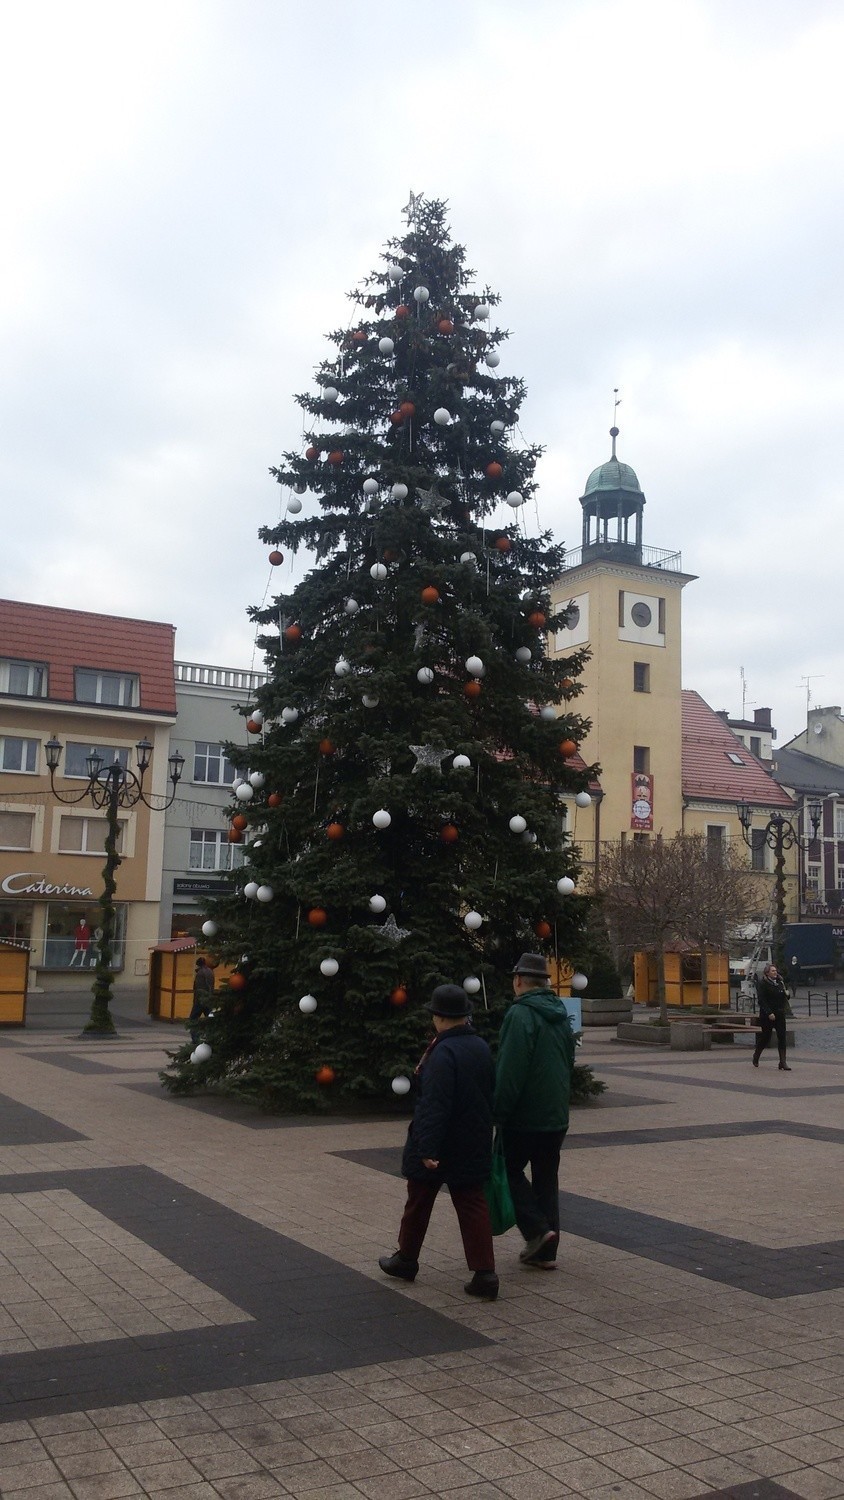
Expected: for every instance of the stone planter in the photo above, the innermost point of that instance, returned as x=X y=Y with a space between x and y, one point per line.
x=643 y=1032
x=689 y=1036
x=597 y=1012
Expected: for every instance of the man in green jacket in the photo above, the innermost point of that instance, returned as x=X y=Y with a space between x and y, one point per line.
x=532 y=1086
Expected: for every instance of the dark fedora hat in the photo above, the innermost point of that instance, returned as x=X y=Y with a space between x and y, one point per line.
x=532 y=966
x=451 y=1001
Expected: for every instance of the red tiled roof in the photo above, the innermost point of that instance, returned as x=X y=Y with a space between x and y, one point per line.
x=68 y=638
x=707 y=770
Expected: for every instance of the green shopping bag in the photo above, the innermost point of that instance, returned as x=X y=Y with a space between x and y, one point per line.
x=501 y=1211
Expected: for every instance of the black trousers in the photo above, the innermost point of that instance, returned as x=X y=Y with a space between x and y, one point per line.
x=537 y=1202
x=769 y=1023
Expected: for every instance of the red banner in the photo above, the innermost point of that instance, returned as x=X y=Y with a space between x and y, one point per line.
x=642 y=802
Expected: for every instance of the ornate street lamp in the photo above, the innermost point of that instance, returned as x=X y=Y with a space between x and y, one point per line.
x=780 y=834
x=111 y=787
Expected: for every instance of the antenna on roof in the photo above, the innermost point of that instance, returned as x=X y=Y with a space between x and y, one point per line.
x=808 y=681
x=744 y=698
x=614 y=429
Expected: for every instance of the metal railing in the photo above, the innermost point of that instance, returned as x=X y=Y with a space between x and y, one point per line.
x=646 y=557
x=822 y=998
x=218 y=677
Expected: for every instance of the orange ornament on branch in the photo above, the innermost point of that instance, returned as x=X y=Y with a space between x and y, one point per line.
x=449 y=834
x=274 y=799
x=407 y=409
x=568 y=684
x=445 y=325
x=493 y=470
x=430 y=595
x=312 y=453
x=358 y=337
x=503 y=544
x=325 y=1074
x=237 y=981
x=335 y=830
x=253 y=726
x=293 y=634
x=336 y=458
x=396 y=418
x=537 y=619
x=542 y=930
x=326 y=747
x=472 y=689
x=317 y=916
x=402 y=311
x=398 y=996
x=235 y=836
x=276 y=557
x=567 y=748
x=240 y=821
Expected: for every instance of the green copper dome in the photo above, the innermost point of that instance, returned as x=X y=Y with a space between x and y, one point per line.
x=612 y=475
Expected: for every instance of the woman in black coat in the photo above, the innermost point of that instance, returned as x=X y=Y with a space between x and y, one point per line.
x=450 y=1141
x=773 y=1004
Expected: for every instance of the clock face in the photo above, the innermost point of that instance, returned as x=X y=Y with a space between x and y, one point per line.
x=573 y=617
x=641 y=615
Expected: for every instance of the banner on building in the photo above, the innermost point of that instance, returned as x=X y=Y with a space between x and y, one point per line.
x=642 y=808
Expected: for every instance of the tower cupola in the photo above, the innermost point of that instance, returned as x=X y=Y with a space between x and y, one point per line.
x=612 y=498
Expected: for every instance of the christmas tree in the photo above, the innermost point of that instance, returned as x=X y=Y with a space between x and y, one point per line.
x=400 y=800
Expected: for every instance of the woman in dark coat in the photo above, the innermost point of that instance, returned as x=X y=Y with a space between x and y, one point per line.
x=450 y=1141
x=773 y=1004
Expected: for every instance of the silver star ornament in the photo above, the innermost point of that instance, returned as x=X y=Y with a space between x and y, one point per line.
x=390 y=929
x=428 y=757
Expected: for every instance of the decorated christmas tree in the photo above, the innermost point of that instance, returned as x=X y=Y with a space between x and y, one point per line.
x=400 y=796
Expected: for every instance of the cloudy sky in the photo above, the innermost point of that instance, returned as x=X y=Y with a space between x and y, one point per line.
x=190 y=188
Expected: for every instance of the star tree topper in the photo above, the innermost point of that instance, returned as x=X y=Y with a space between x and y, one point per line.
x=428 y=757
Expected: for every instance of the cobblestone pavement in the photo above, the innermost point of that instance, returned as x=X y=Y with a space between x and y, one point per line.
x=191 y=1307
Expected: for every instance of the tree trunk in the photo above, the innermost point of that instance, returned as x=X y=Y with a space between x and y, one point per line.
x=704 y=975
x=660 y=986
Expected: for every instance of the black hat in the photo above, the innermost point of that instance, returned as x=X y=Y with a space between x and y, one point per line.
x=451 y=1001
x=532 y=966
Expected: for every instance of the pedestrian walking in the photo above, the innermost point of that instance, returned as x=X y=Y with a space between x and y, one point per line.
x=449 y=1142
x=203 y=993
x=772 y=996
x=532 y=1087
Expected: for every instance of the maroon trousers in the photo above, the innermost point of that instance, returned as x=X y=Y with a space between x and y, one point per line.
x=470 y=1205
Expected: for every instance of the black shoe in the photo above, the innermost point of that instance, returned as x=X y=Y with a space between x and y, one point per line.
x=483 y=1284
x=755 y=1061
x=784 y=1068
x=398 y=1265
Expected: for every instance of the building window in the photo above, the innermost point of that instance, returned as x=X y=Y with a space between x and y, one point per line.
x=85 y=835
x=839 y=820
x=639 y=838
x=26 y=679
x=73 y=933
x=758 y=847
x=662 y=617
x=813 y=878
x=641 y=677
x=77 y=752
x=18 y=754
x=756 y=746
x=840 y=878
x=716 y=837
x=210 y=850
x=16 y=830
x=642 y=758
x=210 y=764
x=736 y=759
x=111 y=689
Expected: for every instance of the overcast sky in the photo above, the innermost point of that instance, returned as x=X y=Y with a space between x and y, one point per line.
x=190 y=188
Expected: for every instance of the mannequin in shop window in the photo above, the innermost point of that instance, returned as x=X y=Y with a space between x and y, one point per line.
x=81 y=944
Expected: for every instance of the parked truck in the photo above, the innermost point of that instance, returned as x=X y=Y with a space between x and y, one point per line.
x=813 y=946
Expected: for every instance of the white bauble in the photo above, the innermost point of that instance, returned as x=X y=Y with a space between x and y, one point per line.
x=469 y=559
x=244 y=792
x=264 y=893
x=381 y=818
x=209 y=929
x=482 y=311
x=378 y=571
x=256 y=844
x=425 y=675
x=351 y=606
x=421 y=294
x=256 y=716
x=474 y=666
x=548 y=712
x=523 y=654
x=565 y=886
x=342 y=668
x=257 y=779
x=307 y=1005
x=369 y=700
x=497 y=427
x=472 y=920
x=492 y=360
x=370 y=486
x=377 y=904
x=461 y=763
x=528 y=838
x=294 y=505
x=192 y=1057
x=289 y=715
x=399 y=492
x=250 y=890
x=583 y=799
x=386 y=346
x=442 y=417
x=330 y=393
x=518 y=824
x=395 y=272
x=201 y=1053
x=400 y=1085
x=471 y=984
x=329 y=967
x=515 y=499
x=579 y=981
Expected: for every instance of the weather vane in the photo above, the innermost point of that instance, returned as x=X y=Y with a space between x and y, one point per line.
x=614 y=429
x=411 y=208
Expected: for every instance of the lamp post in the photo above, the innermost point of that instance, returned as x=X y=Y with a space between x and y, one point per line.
x=780 y=834
x=110 y=787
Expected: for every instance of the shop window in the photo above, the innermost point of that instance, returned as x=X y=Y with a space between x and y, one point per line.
x=210 y=850
x=691 y=971
x=210 y=764
x=16 y=830
x=26 y=679
x=641 y=677
x=86 y=835
x=73 y=932
x=758 y=849
x=16 y=921
x=17 y=754
x=642 y=758
x=111 y=689
x=77 y=752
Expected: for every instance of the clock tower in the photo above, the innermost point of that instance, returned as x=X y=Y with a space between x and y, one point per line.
x=624 y=603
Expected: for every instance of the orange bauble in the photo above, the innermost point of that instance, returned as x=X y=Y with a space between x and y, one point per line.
x=542 y=929
x=312 y=453
x=358 y=337
x=253 y=726
x=335 y=830
x=398 y=996
x=235 y=836
x=276 y=557
x=402 y=311
x=293 y=634
x=317 y=916
x=445 y=325
x=472 y=689
x=325 y=1074
x=396 y=418
x=407 y=409
x=240 y=821
x=493 y=470
x=449 y=834
x=568 y=684
x=274 y=799
x=336 y=458
x=326 y=747
x=503 y=544
x=568 y=747
x=537 y=619
x=237 y=981
x=430 y=595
